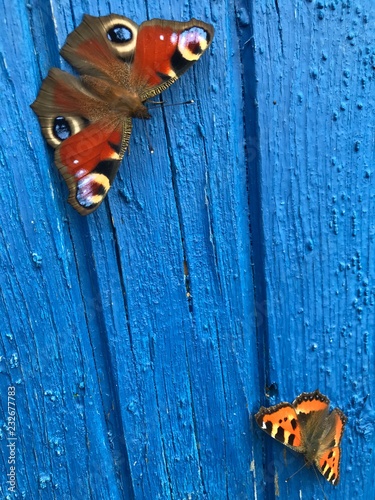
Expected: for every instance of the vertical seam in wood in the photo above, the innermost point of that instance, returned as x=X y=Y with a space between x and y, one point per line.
x=255 y=201
x=253 y=159
x=116 y=447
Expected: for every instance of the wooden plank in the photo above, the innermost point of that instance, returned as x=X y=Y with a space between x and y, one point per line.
x=136 y=338
x=133 y=326
x=46 y=349
x=314 y=69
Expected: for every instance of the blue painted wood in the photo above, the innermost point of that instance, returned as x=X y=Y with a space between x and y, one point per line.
x=234 y=262
x=310 y=74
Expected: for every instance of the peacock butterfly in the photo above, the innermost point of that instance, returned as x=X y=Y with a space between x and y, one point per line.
x=307 y=426
x=88 y=120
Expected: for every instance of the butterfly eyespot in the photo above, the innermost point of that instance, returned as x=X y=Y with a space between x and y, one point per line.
x=119 y=34
x=61 y=128
x=193 y=42
x=91 y=189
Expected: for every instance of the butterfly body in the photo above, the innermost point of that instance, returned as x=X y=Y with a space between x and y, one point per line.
x=308 y=427
x=88 y=120
x=116 y=99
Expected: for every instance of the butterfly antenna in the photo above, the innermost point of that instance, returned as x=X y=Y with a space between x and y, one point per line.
x=320 y=484
x=163 y=104
x=191 y=101
x=150 y=147
x=294 y=473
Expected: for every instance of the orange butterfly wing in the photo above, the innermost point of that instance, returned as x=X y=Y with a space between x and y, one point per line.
x=328 y=462
x=89 y=145
x=329 y=465
x=165 y=50
x=309 y=402
x=89 y=161
x=281 y=423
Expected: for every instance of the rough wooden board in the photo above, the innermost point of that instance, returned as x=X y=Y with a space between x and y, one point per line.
x=128 y=387
x=314 y=69
x=168 y=379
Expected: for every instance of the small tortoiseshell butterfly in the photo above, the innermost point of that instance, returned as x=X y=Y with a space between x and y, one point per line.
x=307 y=426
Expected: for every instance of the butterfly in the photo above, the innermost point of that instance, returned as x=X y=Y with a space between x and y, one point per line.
x=307 y=426
x=88 y=120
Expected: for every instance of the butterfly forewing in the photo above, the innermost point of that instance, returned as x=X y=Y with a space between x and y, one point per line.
x=281 y=422
x=165 y=50
x=340 y=422
x=99 y=46
x=329 y=465
x=329 y=453
x=309 y=402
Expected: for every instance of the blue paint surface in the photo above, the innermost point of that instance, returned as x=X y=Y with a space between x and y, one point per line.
x=232 y=268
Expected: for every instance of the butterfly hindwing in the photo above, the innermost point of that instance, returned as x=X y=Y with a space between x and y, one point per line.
x=89 y=162
x=89 y=143
x=307 y=427
x=64 y=106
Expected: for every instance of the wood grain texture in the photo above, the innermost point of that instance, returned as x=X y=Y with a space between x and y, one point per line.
x=234 y=262
x=314 y=72
x=132 y=327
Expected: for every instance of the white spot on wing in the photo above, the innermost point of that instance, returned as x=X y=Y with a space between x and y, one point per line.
x=81 y=173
